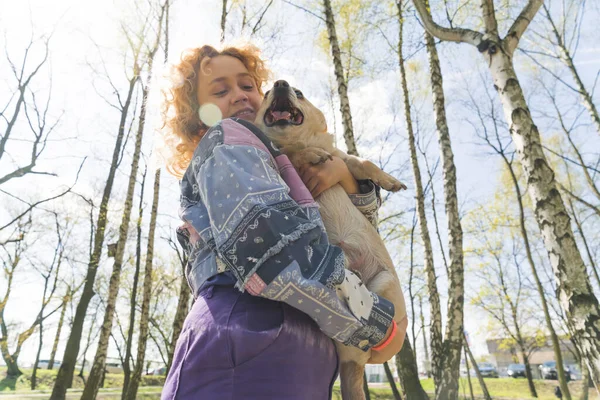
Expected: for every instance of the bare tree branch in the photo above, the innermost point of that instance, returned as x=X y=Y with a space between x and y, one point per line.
x=518 y=27
x=458 y=35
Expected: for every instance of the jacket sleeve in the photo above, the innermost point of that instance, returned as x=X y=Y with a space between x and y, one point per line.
x=276 y=251
x=367 y=201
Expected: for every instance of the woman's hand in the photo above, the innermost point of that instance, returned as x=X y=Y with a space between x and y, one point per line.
x=389 y=351
x=319 y=178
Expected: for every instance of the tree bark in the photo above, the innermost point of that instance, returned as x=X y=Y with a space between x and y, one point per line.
x=409 y=377
x=91 y=388
x=223 y=20
x=468 y=373
x=574 y=289
x=486 y=393
x=451 y=354
x=37 y=357
x=553 y=337
x=134 y=289
x=585 y=242
x=180 y=314
x=143 y=337
x=434 y=299
x=573 y=285
x=65 y=373
x=342 y=83
x=427 y=361
x=392 y=382
x=61 y=320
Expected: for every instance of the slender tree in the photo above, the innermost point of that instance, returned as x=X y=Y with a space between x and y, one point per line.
x=66 y=299
x=51 y=273
x=390 y=378
x=427 y=362
x=98 y=366
x=561 y=45
x=484 y=389
x=65 y=373
x=434 y=299
x=451 y=353
x=494 y=140
x=341 y=79
x=134 y=289
x=468 y=372
x=574 y=289
x=12 y=257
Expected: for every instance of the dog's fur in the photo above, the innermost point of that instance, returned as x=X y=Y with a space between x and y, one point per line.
x=304 y=139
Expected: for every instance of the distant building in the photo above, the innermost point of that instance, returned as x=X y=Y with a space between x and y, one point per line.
x=376 y=373
x=504 y=353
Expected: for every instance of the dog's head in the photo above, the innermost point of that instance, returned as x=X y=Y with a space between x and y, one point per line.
x=285 y=112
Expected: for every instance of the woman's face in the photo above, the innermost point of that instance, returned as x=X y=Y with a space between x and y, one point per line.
x=226 y=83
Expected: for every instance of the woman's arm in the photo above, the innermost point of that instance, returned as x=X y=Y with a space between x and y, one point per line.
x=276 y=251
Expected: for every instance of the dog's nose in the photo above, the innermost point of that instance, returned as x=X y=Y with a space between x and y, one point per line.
x=281 y=83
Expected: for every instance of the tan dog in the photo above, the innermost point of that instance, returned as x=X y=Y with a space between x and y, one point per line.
x=299 y=129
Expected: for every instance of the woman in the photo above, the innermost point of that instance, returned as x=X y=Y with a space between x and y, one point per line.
x=250 y=226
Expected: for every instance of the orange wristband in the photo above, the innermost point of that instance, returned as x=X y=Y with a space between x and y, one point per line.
x=379 y=347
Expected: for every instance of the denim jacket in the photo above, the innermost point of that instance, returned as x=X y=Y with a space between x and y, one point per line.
x=247 y=212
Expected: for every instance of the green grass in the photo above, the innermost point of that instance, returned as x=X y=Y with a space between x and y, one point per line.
x=45 y=381
x=503 y=388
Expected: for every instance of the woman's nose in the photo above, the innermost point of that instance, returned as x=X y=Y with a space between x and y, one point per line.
x=239 y=95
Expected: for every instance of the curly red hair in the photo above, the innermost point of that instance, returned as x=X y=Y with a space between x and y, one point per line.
x=182 y=126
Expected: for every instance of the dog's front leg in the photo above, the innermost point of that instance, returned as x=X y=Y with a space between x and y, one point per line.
x=365 y=169
x=352 y=371
x=310 y=155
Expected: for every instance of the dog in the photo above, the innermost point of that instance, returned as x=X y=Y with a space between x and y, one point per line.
x=299 y=130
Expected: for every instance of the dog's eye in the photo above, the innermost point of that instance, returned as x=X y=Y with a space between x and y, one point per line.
x=299 y=94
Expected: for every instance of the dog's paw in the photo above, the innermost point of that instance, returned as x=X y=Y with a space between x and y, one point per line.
x=390 y=183
x=316 y=156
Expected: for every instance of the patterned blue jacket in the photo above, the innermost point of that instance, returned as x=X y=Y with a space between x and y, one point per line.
x=247 y=211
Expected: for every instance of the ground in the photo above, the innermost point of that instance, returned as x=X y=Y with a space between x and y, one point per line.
x=503 y=388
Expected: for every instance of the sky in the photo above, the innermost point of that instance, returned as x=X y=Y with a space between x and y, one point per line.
x=85 y=31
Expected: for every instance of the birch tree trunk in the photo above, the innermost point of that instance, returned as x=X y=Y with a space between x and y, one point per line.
x=573 y=285
x=434 y=299
x=134 y=289
x=143 y=337
x=574 y=289
x=584 y=241
x=223 y=19
x=65 y=373
x=342 y=83
x=91 y=388
x=409 y=376
x=468 y=373
x=553 y=337
x=61 y=320
x=147 y=285
x=486 y=393
x=451 y=353
x=425 y=348
x=180 y=314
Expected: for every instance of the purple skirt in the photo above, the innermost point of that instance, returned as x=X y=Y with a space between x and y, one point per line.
x=235 y=346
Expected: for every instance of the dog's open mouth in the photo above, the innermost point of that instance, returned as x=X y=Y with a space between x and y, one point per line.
x=283 y=113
